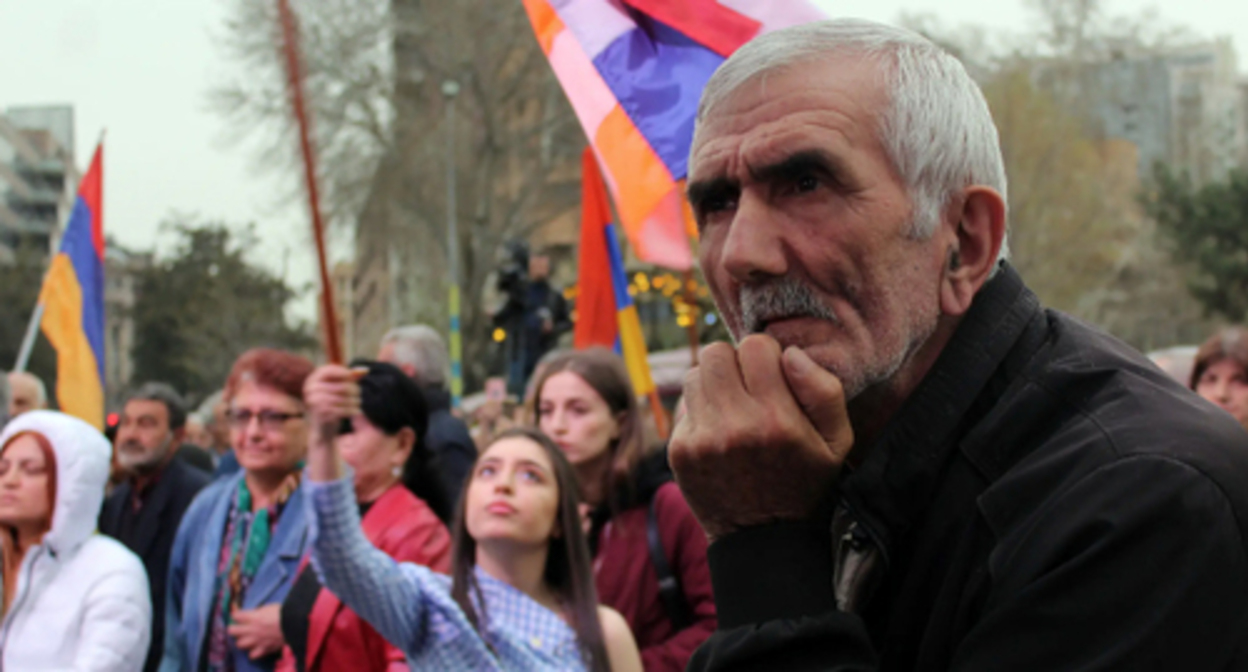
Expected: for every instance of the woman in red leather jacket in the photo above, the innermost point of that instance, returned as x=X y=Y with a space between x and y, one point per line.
x=379 y=444
x=641 y=529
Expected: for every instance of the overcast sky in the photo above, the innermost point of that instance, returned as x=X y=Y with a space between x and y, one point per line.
x=142 y=69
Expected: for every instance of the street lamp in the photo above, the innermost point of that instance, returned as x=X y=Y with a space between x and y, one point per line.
x=450 y=89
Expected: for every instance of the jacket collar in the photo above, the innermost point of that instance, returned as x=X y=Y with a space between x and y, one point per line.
x=438 y=398
x=902 y=470
x=154 y=501
x=282 y=559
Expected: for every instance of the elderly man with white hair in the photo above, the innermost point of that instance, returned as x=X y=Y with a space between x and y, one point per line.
x=905 y=462
x=419 y=351
x=26 y=393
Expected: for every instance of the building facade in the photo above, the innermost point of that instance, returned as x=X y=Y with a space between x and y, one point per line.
x=1186 y=107
x=38 y=178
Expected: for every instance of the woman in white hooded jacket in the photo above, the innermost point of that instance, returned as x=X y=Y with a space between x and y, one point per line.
x=73 y=600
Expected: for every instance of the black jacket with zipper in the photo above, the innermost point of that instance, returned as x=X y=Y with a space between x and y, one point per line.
x=1046 y=499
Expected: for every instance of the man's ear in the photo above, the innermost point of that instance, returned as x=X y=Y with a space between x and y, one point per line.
x=971 y=252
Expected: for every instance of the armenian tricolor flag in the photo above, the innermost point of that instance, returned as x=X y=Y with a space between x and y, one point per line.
x=72 y=300
x=634 y=71
x=606 y=314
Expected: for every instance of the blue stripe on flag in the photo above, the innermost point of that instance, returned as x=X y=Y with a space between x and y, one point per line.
x=657 y=74
x=79 y=246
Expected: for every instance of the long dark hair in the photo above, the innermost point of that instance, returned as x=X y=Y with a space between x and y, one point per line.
x=568 y=571
x=604 y=371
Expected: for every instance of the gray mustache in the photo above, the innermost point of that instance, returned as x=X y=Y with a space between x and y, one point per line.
x=781 y=298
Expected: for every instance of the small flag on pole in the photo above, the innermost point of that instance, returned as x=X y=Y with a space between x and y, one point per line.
x=72 y=302
x=606 y=314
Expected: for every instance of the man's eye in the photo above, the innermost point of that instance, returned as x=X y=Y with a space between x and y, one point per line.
x=805 y=184
x=718 y=204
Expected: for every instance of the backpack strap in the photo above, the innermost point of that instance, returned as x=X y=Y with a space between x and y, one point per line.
x=670 y=592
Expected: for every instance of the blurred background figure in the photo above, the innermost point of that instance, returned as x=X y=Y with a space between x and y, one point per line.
x=26 y=393
x=641 y=532
x=214 y=412
x=1220 y=372
x=197 y=433
x=380 y=443
x=534 y=314
x=72 y=600
x=144 y=511
x=1176 y=361
x=419 y=351
x=238 y=548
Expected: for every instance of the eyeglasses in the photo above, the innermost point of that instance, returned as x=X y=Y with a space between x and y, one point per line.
x=270 y=421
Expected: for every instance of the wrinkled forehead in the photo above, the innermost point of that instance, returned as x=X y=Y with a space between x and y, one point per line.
x=837 y=95
x=810 y=72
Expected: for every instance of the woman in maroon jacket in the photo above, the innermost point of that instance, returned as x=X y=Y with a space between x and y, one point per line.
x=641 y=529
x=381 y=443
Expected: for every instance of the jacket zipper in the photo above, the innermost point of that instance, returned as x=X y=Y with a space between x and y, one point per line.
x=858 y=559
x=23 y=591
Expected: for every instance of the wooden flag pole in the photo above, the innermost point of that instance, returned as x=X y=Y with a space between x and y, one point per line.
x=294 y=80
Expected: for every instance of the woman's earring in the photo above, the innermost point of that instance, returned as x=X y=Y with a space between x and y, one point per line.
x=396 y=471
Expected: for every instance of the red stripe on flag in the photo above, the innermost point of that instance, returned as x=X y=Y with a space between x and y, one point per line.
x=714 y=26
x=596 y=320
x=91 y=189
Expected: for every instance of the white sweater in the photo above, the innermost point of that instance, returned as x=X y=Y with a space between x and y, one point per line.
x=82 y=602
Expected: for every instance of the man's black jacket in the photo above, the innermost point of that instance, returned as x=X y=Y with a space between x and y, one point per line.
x=451 y=453
x=1045 y=500
x=150 y=531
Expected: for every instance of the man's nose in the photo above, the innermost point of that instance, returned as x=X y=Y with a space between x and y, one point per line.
x=753 y=248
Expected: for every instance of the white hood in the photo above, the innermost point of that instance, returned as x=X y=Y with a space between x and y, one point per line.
x=82 y=465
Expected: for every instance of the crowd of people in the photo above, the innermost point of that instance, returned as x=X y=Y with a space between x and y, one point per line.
x=902 y=463
x=212 y=512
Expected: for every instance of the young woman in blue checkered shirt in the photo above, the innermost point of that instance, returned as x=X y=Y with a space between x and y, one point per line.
x=521 y=596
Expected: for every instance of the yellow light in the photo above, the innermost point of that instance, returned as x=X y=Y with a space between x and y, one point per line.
x=632 y=290
x=658 y=282
x=500 y=335
x=692 y=285
x=684 y=320
x=642 y=282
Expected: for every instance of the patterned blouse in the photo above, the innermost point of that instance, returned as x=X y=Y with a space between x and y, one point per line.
x=411 y=606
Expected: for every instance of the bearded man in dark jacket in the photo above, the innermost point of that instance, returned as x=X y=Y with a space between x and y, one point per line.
x=906 y=463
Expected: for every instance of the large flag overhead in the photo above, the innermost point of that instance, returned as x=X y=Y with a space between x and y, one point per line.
x=606 y=314
x=73 y=302
x=634 y=71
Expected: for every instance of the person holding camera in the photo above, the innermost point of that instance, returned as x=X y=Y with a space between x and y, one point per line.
x=534 y=316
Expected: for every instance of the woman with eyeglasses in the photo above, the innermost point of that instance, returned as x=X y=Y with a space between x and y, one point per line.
x=381 y=443
x=520 y=597
x=238 y=548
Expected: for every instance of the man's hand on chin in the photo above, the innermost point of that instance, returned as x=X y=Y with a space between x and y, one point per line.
x=764 y=437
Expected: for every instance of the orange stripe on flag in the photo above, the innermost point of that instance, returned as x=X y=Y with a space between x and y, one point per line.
x=633 y=343
x=546 y=23
x=630 y=160
x=78 y=387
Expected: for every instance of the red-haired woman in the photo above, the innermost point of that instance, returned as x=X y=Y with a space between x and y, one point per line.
x=642 y=532
x=238 y=548
x=73 y=600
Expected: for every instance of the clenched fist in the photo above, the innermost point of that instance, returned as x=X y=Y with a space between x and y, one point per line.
x=763 y=438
